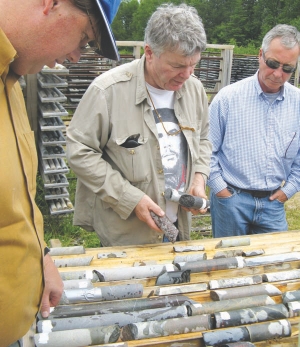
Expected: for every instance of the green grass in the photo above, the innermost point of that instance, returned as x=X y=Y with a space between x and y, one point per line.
x=293 y=219
x=203 y=226
x=61 y=226
x=292 y=208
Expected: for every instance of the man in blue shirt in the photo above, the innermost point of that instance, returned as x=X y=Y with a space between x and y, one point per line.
x=255 y=134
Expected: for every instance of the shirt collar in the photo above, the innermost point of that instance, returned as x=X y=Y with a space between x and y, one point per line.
x=7 y=54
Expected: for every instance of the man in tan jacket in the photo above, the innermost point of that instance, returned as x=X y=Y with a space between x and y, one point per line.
x=141 y=128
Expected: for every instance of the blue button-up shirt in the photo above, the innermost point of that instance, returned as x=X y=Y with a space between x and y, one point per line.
x=255 y=143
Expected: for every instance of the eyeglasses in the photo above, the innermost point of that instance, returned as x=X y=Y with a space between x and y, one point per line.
x=274 y=64
x=92 y=44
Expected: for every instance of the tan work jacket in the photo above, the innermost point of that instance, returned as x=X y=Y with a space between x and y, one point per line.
x=113 y=179
x=21 y=225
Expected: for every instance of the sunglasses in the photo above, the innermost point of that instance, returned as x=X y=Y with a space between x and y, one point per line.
x=274 y=64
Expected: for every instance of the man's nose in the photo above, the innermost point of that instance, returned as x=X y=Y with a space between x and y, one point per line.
x=186 y=73
x=74 y=56
x=278 y=72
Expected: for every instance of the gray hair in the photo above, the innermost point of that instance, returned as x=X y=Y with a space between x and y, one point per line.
x=289 y=36
x=175 y=28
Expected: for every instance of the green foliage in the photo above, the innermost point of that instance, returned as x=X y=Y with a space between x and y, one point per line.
x=244 y=21
x=201 y=227
x=61 y=226
x=122 y=25
x=250 y=49
x=293 y=219
x=141 y=16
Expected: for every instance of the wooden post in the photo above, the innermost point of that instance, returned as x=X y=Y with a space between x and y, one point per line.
x=225 y=64
x=137 y=52
x=137 y=45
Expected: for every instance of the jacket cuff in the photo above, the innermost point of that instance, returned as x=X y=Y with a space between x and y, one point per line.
x=130 y=198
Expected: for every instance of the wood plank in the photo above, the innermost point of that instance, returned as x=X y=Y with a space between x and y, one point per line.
x=55 y=243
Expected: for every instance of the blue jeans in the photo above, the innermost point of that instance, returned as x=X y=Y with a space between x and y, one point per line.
x=243 y=214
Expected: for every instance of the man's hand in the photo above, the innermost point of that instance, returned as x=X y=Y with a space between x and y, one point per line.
x=142 y=211
x=197 y=189
x=279 y=195
x=224 y=193
x=53 y=286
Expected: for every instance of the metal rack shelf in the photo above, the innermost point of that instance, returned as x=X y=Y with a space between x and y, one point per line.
x=51 y=140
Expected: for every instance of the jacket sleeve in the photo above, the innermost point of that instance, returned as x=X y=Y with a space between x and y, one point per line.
x=87 y=135
x=202 y=163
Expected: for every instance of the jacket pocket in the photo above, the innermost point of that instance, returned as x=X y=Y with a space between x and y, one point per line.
x=133 y=163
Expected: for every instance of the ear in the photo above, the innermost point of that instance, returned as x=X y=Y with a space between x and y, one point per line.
x=148 y=52
x=260 y=53
x=48 y=6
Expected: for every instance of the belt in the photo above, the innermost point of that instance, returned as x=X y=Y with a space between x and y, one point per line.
x=255 y=193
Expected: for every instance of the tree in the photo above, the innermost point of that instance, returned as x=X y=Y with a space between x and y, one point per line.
x=243 y=22
x=269 y=12
x=215 y=15
x=122 y=25
x=243 y=26
x=290 y=13
x=141 y=16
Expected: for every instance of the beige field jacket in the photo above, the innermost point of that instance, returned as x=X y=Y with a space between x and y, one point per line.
x=113 y=179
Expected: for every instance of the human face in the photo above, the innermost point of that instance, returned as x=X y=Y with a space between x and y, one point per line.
x=66 y=30
x=170 y=145
x=170 y=70
x=272 y=79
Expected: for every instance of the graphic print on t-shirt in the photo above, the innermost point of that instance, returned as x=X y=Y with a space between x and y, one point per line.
x=172 y=148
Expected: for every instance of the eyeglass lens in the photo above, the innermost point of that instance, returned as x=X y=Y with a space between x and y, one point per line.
x=93 y=44
x=274 y=64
